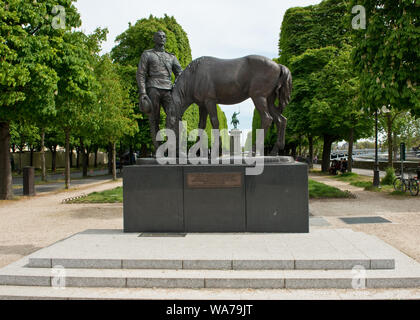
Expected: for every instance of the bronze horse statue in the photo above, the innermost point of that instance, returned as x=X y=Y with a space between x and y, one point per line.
x=209 y=81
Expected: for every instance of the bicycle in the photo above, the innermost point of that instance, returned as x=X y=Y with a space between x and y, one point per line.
x=411 y=184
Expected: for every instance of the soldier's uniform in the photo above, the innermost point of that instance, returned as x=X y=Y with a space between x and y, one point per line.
x=154 y=79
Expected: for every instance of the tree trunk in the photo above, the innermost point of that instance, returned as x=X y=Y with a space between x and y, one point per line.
x=350 y=151
x=390 y=140
x=143 y=151
x=6 y=190
x=110 y=159
x=114 y=161
x=71 y=157
x=131 y=156
x=96 y=157
x=54 y=159
x=20 y=160
x=394 y=147
x=31 y=157
x=311 y=152
x=85 y=158
x=78 y=157
x=326 y=153
x=43 y=167
x=67 y=157
x=293 y=151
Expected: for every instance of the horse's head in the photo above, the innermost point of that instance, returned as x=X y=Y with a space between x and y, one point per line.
x=173 y=115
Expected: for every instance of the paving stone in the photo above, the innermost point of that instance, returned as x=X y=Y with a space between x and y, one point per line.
x=393 y=283
x=365 y=220
x=87 y=263
x=152 y=264
x=330 y=264
x=245 y=283
x=207 y=264
x=318 y=283
x=21 y=280
x=263 y=264
x=164 y=283
x=95 y=282
x=39 y=263
x=318 y=222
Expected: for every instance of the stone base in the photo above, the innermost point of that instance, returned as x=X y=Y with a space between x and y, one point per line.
x=324 y=258
x=216 y=198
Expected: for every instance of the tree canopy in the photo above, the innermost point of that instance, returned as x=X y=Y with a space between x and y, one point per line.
x=386 y=54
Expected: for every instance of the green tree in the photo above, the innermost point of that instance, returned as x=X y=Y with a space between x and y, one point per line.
x=307 y=28
x=115 y=115
x=386 y=54
x=77 y=86
x=315 y=44
x=27 y=79
x=23 y=134
x=312 y=27
x=334 y=111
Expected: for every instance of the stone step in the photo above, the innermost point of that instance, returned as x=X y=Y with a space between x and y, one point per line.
x=324 y=249
x=298 y=264
x=195 y=279
x=112 y=259
x=49 y=293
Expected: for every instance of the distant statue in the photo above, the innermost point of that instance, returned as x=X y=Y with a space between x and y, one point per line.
x=154 y=81
x=235 y=120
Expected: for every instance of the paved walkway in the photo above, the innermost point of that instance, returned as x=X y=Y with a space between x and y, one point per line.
x=363 y=172
x=55 y=182
x=403 y=212
x=30 y=224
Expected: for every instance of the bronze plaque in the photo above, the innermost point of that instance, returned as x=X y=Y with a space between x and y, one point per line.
x=214 y=180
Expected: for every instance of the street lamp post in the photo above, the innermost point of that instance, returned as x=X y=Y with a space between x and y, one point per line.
x=376 y=177
x=376 y=180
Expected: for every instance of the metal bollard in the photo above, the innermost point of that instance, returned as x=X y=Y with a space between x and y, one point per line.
x=29 y=181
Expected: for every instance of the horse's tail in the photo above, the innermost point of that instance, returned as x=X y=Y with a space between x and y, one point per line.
x=283 y=91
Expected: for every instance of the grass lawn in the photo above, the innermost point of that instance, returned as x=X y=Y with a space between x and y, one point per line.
x=108 y=196
x=317 y=190
x=59 y=171
x=365 y=182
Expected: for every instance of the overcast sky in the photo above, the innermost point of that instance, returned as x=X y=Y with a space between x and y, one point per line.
x=223 y=29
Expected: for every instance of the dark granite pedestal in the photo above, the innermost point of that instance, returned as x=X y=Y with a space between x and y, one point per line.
x=216 y=198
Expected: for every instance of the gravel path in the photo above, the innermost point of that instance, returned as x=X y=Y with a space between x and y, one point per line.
x=404 y=213
x=30 y=224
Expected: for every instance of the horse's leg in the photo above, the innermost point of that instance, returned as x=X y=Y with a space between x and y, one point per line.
x=281 y=123
x=203 y=122
x=281 y=129
x=266 y=119
x=211 y=108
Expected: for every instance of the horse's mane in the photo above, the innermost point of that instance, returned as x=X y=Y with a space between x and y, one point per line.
x=189 y=70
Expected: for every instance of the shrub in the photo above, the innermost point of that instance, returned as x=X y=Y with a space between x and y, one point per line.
x=389 y=177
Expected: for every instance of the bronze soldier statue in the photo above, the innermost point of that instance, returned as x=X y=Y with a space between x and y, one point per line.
x=235 y=120
x=154 y=80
